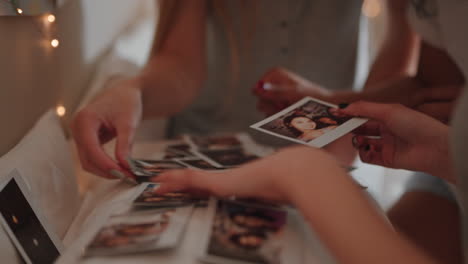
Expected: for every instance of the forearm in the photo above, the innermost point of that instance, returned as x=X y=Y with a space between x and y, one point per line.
x=168 y=85
x=349 y=225
x=406 y=91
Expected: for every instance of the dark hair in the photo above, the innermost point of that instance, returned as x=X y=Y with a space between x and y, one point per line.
x=321 y=124
x=287 y=123
x=236 y=239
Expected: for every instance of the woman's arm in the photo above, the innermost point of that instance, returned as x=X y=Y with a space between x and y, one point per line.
x=176 y=70
x=349 y=225
x=169 y=82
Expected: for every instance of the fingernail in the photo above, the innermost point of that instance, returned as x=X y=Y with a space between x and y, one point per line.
x=355 y=142
x=367 y=147
x=117 y=174
x=343 y=105
x=122 y=177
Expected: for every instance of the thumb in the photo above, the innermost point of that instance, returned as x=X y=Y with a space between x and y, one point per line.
x=125 y=135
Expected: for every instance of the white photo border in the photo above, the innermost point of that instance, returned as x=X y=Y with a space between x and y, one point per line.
x=16 y=176
x=321 y=141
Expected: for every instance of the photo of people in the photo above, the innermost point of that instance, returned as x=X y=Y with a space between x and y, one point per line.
x=148 y=197
x=246 y=233
x=130 y=233
x=309 y=121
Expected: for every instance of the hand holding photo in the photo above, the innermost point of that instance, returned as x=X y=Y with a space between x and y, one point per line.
x=309 y=121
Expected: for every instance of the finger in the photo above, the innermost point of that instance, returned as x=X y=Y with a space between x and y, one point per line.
x=218 y=184
x=377 y=111
x=85 y=132
x=440 y=110
x=181 y=180
x=365 y=143
x=89 y=167
x=370 y=128
x=125 y=135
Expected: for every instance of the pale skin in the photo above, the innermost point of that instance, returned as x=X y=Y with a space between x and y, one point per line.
x=331 y=202
x=169 y=83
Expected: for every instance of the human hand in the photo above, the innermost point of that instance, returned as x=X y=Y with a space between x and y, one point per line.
x=399 y=137
x=279 y=88
x=116 y=112
x=277 y=177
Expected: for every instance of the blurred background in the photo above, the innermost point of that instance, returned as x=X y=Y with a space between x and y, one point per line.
x=61 y=59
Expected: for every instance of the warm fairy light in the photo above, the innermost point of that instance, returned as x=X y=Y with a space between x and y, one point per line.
x=51 y=18
x=19 y=10
x=61 y=110
x=15 y=220
x=54 y=43
x=371 y=8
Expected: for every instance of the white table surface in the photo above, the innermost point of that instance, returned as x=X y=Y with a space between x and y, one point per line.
x=106 y=197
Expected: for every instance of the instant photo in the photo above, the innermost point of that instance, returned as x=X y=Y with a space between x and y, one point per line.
x=244 y=233
x=135 y=233
x=150 y=168
x=311 y=122
x=198 y=163
x=149 y=198
x=24 y=224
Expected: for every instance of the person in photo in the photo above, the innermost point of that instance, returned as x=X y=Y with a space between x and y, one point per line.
x=307 y=129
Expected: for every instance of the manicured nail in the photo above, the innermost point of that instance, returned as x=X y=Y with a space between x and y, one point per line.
x=343 y=105
x=367 y=147
x=355 y=142
x=122 y=177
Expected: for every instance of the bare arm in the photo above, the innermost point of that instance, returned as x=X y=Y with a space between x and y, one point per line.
x=398 y=55
x=349 y=224
x=175 y=73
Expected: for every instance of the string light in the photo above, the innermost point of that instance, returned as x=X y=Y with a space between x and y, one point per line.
x=371 y=8
x=19 y=11
x=55 y=43
x=61 y=110
x=51 y=18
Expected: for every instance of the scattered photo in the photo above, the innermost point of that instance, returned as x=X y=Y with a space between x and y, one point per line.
x=149 y=198
x=134 y=233
x=181 y=150
x=244 y=233
x=214 y=142
x=25 y=225
x=150 y=168
x=311 y=122
x=198 y=163
x=227 y=157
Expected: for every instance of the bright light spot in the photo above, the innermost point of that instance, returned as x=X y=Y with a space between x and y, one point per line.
x=61 y=110
x=371 y=8
x=19 y=10
x=54 y=43
x=15 y=220
x=51 y=18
